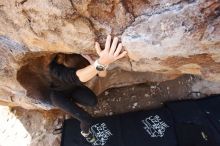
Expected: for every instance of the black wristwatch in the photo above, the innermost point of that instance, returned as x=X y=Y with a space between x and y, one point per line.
x=99 y=67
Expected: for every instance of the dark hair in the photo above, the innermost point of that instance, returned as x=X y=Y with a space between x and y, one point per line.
x=72 y=60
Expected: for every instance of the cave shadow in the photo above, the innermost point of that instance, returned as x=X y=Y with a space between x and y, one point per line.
x=35 y=77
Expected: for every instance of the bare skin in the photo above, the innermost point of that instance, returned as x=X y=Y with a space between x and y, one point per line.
x=91 y=61
x=110 y=54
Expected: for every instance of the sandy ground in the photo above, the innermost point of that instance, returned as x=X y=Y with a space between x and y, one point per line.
x=20 y=127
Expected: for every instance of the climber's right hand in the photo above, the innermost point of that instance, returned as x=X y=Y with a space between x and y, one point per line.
x=112 y=51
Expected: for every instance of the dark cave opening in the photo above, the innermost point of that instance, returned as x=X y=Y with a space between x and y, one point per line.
x=34 y=76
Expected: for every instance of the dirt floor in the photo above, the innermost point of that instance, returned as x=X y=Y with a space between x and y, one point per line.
x=36 y=128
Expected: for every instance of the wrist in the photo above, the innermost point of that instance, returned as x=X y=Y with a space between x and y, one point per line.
x=99 y=67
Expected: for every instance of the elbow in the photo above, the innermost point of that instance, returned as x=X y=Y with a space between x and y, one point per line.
x=83 y=80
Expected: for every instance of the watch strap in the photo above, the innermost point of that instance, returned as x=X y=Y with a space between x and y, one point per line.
x=98 y=65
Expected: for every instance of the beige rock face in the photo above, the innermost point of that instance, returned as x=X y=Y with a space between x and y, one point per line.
x=164 y=39
x=181 y=38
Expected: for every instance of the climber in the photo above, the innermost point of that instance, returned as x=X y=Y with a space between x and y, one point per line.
x=67 y=83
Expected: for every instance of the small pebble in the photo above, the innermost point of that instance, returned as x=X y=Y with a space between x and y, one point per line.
x=134 y=105
x=146 y=95
x=152 y=87
x=106 y=93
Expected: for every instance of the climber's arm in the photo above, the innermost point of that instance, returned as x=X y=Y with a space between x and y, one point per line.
x=111 y=53
x=67 y=75
x=91 y=60
x=87 y=73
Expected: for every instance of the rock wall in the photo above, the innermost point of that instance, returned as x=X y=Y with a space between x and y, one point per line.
x=164 y=39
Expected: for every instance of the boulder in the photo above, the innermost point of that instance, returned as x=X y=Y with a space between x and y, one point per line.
x=164 y=39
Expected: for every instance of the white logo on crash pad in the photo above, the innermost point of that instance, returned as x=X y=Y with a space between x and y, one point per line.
x=102 y=134
x=154 y=126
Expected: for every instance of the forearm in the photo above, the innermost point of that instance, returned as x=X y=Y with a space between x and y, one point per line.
x=86 y=73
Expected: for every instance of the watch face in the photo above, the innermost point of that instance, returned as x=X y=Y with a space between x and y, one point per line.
x=100 y=68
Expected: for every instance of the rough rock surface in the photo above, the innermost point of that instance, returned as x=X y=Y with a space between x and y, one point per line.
x=164 y=39
x=36 y=127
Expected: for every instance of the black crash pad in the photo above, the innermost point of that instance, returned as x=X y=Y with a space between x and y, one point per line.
x=182 y=123
x=193 y=127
